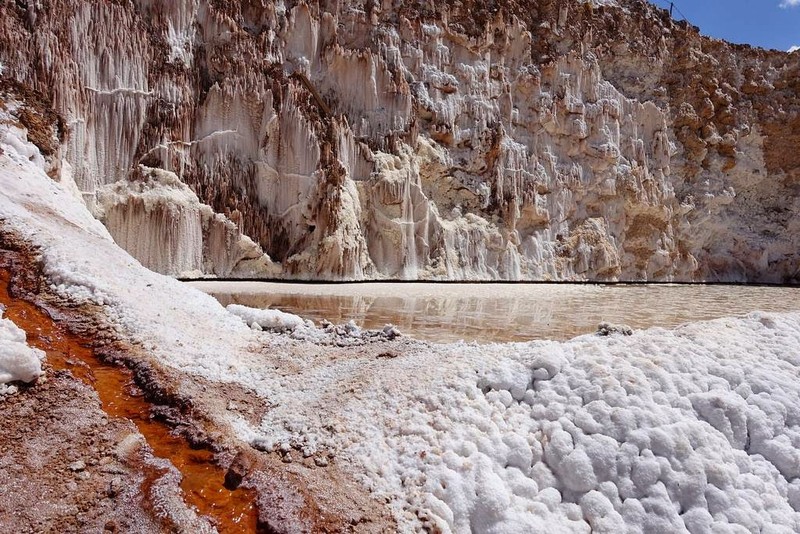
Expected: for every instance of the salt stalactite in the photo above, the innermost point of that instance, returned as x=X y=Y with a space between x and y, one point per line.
x=161 y=223
x=390 y=139
x=108 y=105
x=158 y=222
x=401 y=224
x=373 y=98
x=340 y=249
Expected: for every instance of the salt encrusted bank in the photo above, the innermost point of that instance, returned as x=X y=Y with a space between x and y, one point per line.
x=541 y=140
x=693 y=429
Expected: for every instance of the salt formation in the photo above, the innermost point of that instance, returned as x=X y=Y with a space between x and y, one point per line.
x=161 y=223
x=18 y=361
x=560 y=139
x=699 y=434
x=266 y=319
x=694 y=429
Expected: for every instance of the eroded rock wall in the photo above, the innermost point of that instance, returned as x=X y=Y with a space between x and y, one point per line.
x=557 y=139
x=161 y=223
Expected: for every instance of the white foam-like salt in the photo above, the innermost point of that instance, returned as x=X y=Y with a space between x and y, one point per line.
x=266 y=319
x=18 y=361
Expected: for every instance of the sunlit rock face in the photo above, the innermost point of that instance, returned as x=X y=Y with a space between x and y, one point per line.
x=161 y=223
x=557 y=139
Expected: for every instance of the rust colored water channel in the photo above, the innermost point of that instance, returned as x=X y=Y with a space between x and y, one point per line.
x=202 y=483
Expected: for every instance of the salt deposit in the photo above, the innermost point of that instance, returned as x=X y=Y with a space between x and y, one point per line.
x=559 y=140
x=692 y=429
x=161 y=223
x=266 y=319
x=18 y=361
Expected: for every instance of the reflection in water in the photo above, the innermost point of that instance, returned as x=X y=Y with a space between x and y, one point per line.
x=504 y=312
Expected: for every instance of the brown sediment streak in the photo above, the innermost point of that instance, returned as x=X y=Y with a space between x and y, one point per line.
x=202 y=483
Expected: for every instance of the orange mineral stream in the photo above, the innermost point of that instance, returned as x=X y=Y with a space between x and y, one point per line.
x=202 y=483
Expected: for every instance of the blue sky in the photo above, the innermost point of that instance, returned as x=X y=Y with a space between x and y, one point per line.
x=765 y=23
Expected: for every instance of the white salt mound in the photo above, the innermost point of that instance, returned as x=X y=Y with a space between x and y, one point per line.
x=266 y=319
x=695 y=430
x=18 y=361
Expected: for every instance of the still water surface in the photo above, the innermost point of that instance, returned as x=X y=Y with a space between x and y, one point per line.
x=504 y=312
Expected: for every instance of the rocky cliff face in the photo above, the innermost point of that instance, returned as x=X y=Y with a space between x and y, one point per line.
x=558 y=139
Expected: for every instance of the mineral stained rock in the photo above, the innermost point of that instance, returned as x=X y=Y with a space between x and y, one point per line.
x=551 y=139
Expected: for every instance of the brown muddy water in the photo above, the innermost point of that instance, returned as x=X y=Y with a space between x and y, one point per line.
x=504 y=312
x=202 y=480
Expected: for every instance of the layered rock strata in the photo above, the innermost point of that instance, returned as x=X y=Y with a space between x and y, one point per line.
x=549 y=140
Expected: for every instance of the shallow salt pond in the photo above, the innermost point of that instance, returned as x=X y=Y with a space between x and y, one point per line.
x=504 y=312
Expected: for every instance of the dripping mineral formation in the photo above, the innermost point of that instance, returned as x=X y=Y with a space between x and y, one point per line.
x=568 y=140
x=557 y=139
